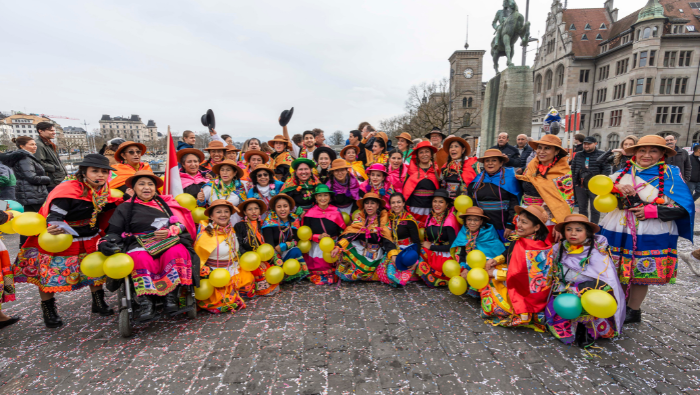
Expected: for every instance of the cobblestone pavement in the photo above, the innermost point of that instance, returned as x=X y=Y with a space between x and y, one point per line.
x=362 y=338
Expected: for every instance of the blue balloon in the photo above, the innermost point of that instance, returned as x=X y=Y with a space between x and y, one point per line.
x=12 y=205
x=568 y=306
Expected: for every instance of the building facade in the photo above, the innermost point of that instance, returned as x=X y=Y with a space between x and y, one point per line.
x=74 y=138
x=636 y=75
x=466 y=92
x=132 y=128
x=25 y=124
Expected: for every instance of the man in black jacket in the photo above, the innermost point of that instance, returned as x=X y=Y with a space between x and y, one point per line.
x=524 y=150
x=511 y=152
x=694 y=181
x=47 y=154
x=584 y=166
x=681 y=159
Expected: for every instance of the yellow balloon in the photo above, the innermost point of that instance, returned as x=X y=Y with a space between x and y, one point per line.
x=7 y=226
x=599 y=303
x=219 y=278
x=421 y=234
x=355 y=214
x=198 y=215
x=304 y=246
x=93 y=264
x=346 y=218
x=274 y=275
x=304 y=233
x=115 y=193
x=204 y=291
x=463 y=202
x=451 y=268
x=118 y=266
x=250 y=261
x=328 y=258
x=326 y=244
x=600 y=185
x=291 y=267
x=459 y=215
x=478 y=278
x=605 y=203
x=457 y=285
x=55 y=243
x=266 y=252
x=187 y=201
x=29 y=224
x=476 y=259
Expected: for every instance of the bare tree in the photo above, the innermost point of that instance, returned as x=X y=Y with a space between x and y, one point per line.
x=70 y=145
x=202 y=139
x=336 y=138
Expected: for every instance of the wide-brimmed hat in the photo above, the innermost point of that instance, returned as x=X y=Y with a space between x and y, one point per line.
x=95 y=160
x=421 y=145
x=208 y=119
x=286 y=116
x=436 y=130
x=382 y=136
x=347 y=147
x=474 y=212
x=266 y=167
x=493 y=153
x=215 y=145
x=232 y=148
x=377 y=167
x=186 y=151
x=279 y=139
x=299 y=161
x=406 y=137
x=537 y=211
x=651 y=140
x=576 y=218
x=407 y=257
x=339 y=164
x=228 y=162
x=322 y=188
x=249 y=201
x=548 y=139
x=143 y=173
x=331 y=154
x=274 y=199
x=370 y=195
x=443 y=194
x=125 y=145
x=221 y=202
x=461 y=141
x=261 y=154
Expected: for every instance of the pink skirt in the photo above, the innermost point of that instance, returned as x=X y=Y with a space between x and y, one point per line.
x=160 y=275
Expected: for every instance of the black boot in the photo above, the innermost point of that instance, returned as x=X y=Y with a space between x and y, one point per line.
x=172 y=301
x=147 y=309
x=633 y=316
x=583 y=338
x=51 y=317
x=99 y=305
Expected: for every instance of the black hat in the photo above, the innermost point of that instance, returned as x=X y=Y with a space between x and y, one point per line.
x=95 y=160
x=208 y=119
x=443 y=194
x=329 y=151
x=286 y=116
x=590 y=139
x=438 y=131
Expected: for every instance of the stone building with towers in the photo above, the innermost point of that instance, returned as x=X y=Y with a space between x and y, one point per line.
x=131 y=128
x=466 y=92
x=636 y=75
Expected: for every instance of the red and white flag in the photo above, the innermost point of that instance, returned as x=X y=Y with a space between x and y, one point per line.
x=173 y=184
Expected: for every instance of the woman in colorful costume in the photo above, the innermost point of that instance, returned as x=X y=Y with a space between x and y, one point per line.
x=217 y=248
x=253 y=159
x=655 y=206
x=406 y=237
x=395 y=169
x=377 y=183
x=324 y=157
x=282 y=158
x=264 y=186
x=346 y=189
x=547 y=181
x=404 y=143
x=217 y=154
x=325 y=221
x=497 y=191
x=232 y=153
x=518 y=292
x=300 y=186
x=580 y=262
x=421 y=182
x=366 y=242
x=377 y=154
x=7 y=281
x=460 y=170
x=129 y=157
x=357 y=168
x=440 y=232
x=191 y=176
x=279 y=229
x=227 y=185
x=249 y=233
x=78 y=206
x=156 y=232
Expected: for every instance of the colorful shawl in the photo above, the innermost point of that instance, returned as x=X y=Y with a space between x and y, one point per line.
x=450 y=220
x=556 y=187
x=351 y=187
x=413 y=175
x=188 y=180
x=385 y=192
x=331 y=213
x=394 y=178
x=293 y=184
x=382 y=158
x=282 y=158
x=124 y=171
x=224 y=191
x=74 y=189
x=274 y=190
x=397 y=220
x=184 y=216
x=379 y=225
x=272 y=220
x=486 y=241
x=528 y=269
x=465 y=169
x=206 y=244
x=504 y=178
x=358 y=169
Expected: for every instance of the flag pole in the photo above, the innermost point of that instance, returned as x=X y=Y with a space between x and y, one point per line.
x=166 y=177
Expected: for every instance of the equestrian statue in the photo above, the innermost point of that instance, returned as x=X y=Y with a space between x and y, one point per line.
x=509 y=25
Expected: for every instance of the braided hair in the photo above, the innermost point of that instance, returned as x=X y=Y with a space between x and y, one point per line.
x=662 y=169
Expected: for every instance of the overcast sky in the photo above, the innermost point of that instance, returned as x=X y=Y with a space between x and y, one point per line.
x=337 y=63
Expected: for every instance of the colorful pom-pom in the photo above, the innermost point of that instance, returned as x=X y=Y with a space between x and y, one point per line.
x=659 y=201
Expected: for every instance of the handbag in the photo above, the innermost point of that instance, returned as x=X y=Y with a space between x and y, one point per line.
x=154 y=247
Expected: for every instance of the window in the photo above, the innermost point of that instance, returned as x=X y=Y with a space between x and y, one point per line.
x=625 y=39
x=604 y=48
x=634 y=61
x=615 y=117
x=677 y=29
x=469 y=102
x=598 y=37
x=654 y=31
x=548 y=80
x=619 y=91
x=560 y=76
x=696 y=138
x=676 y=114
x=572 y=27
x=584 y=37
x=652 y=56
x=587 y=27
x=665 y=87
x=558 y=103
x=670 y=59
x=649 y=85
x=621 y=66
x=647 y=32
x=537 y=105
x=602 y=26
x=466 y=120
x=613 y=141
x=684 y=58
x=680 y=86
x=598 y=119
x=464 y=102
x=538 y=83
x=548 y=103
x=603 y=72
x=642 y=58
x=697 y=120
x=661 y=114
x=583 y=76
x=639 y=34
x=583 y=121
x=584 y=96
x=640 y=86
x=601 y=95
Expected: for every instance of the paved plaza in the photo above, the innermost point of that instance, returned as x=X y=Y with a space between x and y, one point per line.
x=351 y=338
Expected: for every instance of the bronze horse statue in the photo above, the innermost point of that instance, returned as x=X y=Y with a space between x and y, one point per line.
x=509 y=25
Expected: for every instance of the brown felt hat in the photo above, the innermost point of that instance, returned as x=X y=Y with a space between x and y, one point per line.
x=537 y=211
x=576 y=218
x=344 y=150
x=339 y=164
x=475 y=212
x=232 y=148
x=406 y=137
x=646 y=141
x=279 y=139
x=221 y=202
x=125 y=145
x=266 y=167
x=181 y=154
x=274 y=199
x=493 y=153
x=217 y=167
x=450 y=140
x=370 y=195
x=144 y=173
x=215 y=145
x=261 y=154
x=245 y=203
x=548 y=139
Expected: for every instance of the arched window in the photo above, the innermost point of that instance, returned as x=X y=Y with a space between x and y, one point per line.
x=696 y=138
x=538 y=83
x=560 y=76
x=469 y=102
x=548 y=80
x=647 y=32
x=467 y=120
x=613 y=141
x=654 y=31
x=464 y=102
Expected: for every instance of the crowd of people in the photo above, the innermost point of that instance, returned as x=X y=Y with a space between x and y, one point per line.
x=388 y=206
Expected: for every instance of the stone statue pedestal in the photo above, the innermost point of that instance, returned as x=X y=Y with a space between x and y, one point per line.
x=507 y=106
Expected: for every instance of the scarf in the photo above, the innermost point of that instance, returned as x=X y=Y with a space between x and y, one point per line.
x=556 y=186
x=397 y=220
x=441 y=220
x=378 y=224
x=331 y=213
x=485 y=240
x=294 y=184
x=73 y=189
x=282 y=158
x=224 y=191
x=124 y=171
x=528 y=269
x=98 y=197
x=504 y=179
x=206 y=243
x=414 y=174
x=385 y=190
x=48 y=142
x=382 y=158
x=350 y=188
x=358 y=170
x=188 y=180
x=463 y=169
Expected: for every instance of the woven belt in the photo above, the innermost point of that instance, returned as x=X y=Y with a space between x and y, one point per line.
x=493 y=205
x=79 y=223
x=218 y=263
x=533 y=201
x=423 y=192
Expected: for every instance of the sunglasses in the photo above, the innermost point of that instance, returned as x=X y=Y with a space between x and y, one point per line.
x=133 y=152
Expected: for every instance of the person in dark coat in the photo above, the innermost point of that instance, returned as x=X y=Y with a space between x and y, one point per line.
x=47 y=154
x=511 y=152
x=188 y=140
x=584 y=166
x=681 y=159
x=8 y=181
x=525 y=150
x=694 y=180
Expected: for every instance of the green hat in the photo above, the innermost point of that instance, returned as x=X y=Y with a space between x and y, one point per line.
x=322 y=188
x=299 y=161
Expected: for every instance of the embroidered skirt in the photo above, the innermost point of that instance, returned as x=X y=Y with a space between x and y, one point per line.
x=159 y=275
x=388 y=273
x=293 y=253
x=321 y=271
x=7 y=290
x=224 y=299
x=420 y=214
x=496 y=306
x=360 y=262
x=430 y=269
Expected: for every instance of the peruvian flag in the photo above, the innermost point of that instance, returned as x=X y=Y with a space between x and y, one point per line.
x=173 y=184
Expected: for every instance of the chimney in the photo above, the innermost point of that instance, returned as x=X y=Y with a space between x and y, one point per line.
x=612 y=12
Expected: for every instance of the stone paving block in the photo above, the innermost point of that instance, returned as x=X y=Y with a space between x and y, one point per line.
x=312 y=382
x=512 y=365
x=368 y=388
x=391 y=374
x=259 y=383
x=449 y=385
x=362 y=366
x=547 y=376
x=316 y=358
x=613 y=389
x=340 y=362
x=237 y=371
x=314 y=340
x=420 y=379
x=667 y=389
x=408 y=353
x=554 y=357
x=438 y=362
x=203 y=386
x=630 y=381
x=478 y=353
x=381 y=349
x=245 y=349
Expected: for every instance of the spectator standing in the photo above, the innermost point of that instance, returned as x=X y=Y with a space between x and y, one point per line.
x=681 y=159
x=436 y=136
x=578 y=142
x=8 y=183
x=618 y=157
x=508 y=150
x=355 y=138
x=694 y=181
x=525 y=150
x=47 y=154
x=585 y=165
x=188 y=140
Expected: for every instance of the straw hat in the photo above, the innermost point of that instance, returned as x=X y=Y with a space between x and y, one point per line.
x=213 y=145
x=576 y=218
x=646 y=141
x=249 y=201
x=279 y=139
x=274 y=199
x=353 y=147
x=186 y=151
x=493 y=153
x=125 y=145
x=548 y=139
x=339 y=164
x=406 y=137
x=537 y=211
x=450 y=140
x=370 y=195
x=217 y=167
x=221 y=202
x=474 y=212
x=144 y=173
x=251 y=153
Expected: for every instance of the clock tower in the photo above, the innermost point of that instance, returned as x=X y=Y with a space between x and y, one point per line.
x=466 y=92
